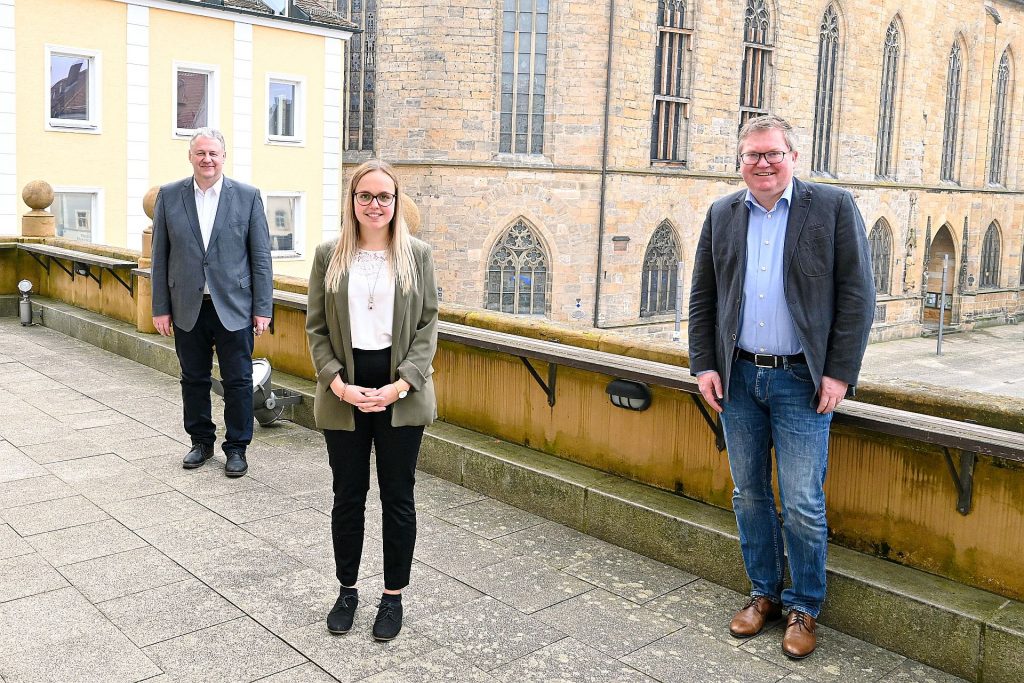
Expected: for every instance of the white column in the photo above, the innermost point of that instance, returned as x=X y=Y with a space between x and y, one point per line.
x=138 y=122
x=241 y=142
x=9 y=221
x=333 y=83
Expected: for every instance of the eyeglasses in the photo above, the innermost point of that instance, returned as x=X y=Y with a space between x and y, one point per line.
x=383 y=199
x=752 y=158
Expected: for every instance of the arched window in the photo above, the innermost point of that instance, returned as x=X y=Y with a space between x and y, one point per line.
x=997 y=158
x=670 y=127
x=517 y=273
x=660 y=275
x=880 y=241
x=952 y=123
x=824 y=105
x=757 y=59
x=524 y=59
x=887 y=101
x=361 y=69
x=988 y=277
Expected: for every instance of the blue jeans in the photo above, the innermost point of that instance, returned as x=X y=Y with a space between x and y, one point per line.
x=774 y=405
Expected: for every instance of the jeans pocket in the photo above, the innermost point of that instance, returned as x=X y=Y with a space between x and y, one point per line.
x=801 y=372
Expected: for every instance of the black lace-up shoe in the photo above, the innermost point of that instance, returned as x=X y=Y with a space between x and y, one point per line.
x=389 y=620
x=236 y=465
x=339 y=620
x=200 y=453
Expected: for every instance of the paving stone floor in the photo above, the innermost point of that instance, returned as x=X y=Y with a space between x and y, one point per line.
x=118 y=565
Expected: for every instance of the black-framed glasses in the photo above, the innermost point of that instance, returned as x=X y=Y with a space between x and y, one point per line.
x=752 y=158
x=383 y=198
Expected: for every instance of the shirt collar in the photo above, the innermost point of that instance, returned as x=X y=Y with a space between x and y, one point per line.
x=787 y=195
x=214 y=190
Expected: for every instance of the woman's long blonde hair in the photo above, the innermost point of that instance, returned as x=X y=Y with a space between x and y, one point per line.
x=400 y=257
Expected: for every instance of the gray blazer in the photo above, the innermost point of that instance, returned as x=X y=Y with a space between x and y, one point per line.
x=827 y=281
x=413 y=342
x=236 y=266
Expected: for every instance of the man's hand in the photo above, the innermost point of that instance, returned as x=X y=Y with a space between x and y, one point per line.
x=260 y=324
x=832 y=392
x=711 y=389
x=164 y=325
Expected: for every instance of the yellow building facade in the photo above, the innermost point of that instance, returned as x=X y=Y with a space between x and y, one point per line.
x=101 y=104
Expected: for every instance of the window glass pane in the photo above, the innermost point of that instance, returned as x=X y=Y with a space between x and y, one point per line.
x=282 y=109
x=525 y=22
x=73 y=212
x=69 y=87
x=281 y=217
x=193 y=105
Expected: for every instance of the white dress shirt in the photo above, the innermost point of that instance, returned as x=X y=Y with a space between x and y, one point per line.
x=370 y=278
x=206 y=207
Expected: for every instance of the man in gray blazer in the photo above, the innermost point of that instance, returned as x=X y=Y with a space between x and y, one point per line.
x=780 y=310
x=212 y=288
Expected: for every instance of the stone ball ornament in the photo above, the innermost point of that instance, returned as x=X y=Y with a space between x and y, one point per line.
x=37 y=195
x=149 y=201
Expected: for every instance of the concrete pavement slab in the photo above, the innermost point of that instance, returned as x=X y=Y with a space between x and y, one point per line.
x=440 y=666
x=153 y=509
x=25 y=575
x=11 y=544
x=304 y=673
x=526 y=584
x=555 y=545
x=169 y=611
x=50 y=515
x=110 y=659
x=32 y=490
x=571 y=661
x=703 y=606
x=490 y=518
x=235 y=650
x=915 y=672
x=114 y=576
x=287 y=601
x=608 y=622
x=96 y=539
x=630 y=575
x=687 y=655
x=299 y=528
x=256 y=502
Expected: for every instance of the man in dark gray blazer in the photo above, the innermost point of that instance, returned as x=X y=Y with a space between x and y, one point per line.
x=212 y=288
x=780 y=310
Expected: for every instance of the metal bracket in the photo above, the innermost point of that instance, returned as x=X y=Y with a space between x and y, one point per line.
x=964 y=480
x=713 y=422
x=549 y=387
x=46 y=265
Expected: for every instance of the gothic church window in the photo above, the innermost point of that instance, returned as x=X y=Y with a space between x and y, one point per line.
x=951 y=125
x=997 y=163
x=880 y=242
x=824 y=105
x=361 y=70
x=757 y=60
x=524 y=56
x=660 y=274
x=887 y=102
x=672 y=82
x=517 y=273
x=989 y=271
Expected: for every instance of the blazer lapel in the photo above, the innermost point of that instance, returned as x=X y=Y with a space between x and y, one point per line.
x=398 y=322
x=737 y=237
x=798 y=212
x=227 y=194
x=188 y=198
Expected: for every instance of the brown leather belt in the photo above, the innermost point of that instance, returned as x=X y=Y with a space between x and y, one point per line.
x=767 y=360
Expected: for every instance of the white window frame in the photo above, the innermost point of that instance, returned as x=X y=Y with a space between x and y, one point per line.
x=91 y=125
x=96 y=229
x=299 y=235
x=212 y=96
x=299 y=82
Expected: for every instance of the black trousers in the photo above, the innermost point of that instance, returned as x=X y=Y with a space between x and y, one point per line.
x=397 y=449
x=195 y=355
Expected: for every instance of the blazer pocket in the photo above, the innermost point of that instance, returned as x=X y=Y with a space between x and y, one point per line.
x=816 y=256
x=816 y=230
x=245 y=282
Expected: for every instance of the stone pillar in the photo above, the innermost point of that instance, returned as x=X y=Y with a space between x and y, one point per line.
x=143 y=284
x=38 y=222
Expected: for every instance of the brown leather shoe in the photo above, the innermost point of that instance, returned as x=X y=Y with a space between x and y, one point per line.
x=755 y=614
x=799 y=640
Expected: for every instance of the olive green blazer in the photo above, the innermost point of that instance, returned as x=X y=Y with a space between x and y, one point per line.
x=413 y=343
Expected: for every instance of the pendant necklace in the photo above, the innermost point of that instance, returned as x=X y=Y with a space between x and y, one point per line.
x=373 y=287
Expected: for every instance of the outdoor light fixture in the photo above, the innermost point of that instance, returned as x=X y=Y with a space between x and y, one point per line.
x=629 y=395
x=25 y=303
x=267 y=403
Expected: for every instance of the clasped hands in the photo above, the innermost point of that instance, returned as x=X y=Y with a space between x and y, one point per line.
x=366 y=399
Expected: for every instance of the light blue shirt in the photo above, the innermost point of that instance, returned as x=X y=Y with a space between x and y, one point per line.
x=766 y=325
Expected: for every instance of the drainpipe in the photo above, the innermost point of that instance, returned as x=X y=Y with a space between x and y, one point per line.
x=604 y=162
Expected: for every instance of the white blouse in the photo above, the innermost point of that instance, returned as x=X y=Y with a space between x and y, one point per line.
x=371 y=300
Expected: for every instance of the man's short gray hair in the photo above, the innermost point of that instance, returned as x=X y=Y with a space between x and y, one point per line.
x=766 y=122
x=211 y=133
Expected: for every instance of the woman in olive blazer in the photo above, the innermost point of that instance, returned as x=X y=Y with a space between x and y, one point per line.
x=371 y=321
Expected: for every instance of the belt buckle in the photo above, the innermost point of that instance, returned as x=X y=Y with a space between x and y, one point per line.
x=770 y=363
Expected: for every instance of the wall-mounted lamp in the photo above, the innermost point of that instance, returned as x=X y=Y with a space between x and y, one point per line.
x=81 y=268
x=25 y=303
x=630 y=395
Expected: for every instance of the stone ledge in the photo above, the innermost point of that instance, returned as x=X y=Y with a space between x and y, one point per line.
x=969 y=632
